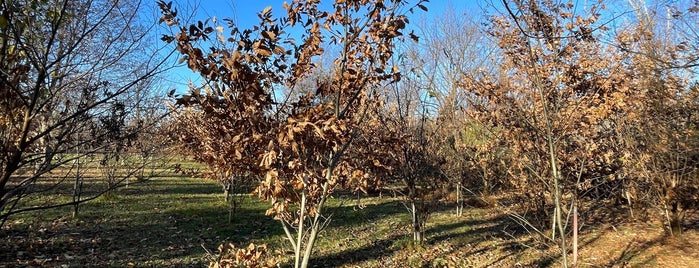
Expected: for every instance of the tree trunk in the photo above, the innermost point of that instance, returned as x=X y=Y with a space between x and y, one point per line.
x=418 y=235
x=559 y=218
x=575 y=235
x=459 y=201
x=311 y=241
x=486 y=187
x=77 y=188
x=300 y=231
x=315 y=226
x=629 y=202
x=232 y=206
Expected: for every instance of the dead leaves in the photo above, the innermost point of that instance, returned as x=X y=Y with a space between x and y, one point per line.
x=253 y=256
x=297 y=146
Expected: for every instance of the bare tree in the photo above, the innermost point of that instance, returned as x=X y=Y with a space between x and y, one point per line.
x=73 y=74
x=450 y=47
x=403 y=140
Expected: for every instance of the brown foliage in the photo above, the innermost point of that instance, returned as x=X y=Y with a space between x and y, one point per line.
x=294 y=143
x=253 y=256
x=558 y=84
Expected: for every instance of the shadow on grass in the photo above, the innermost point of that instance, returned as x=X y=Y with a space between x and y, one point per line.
x=352 y=215
x=247 y=223
x=157 y=238
x=348 y=215
x=373 y=251
x=183 y=188
x=156 y=223
x=500 y=227
x=499 y=233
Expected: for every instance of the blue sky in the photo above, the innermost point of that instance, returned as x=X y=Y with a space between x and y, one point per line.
x=244 y=13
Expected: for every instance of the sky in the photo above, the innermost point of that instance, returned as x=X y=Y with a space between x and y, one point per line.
x=244 y=13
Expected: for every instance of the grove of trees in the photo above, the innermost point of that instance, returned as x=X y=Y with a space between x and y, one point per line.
x=560 y=105
x=566 y=110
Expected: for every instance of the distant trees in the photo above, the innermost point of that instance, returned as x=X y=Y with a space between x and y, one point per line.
x=73 y=76
x=403 y=136
x=449 y=47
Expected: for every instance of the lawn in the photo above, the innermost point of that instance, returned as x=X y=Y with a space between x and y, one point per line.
x=174 y=221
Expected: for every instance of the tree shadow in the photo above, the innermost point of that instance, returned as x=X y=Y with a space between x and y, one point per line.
x=634 y=249
x=142 y=227
x=589 y=239
x=140 y=238
x=352 y=215
x=500 y=227
x=373 y=251
x=155 y=187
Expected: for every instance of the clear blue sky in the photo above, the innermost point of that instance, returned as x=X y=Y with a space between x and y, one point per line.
x=244 y=13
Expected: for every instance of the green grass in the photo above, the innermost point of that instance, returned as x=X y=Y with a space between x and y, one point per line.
x=173 y=221
x=166 y=221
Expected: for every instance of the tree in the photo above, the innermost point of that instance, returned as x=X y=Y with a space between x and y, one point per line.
x=401 y=143
x=64 y=64
x=663 y=137
x=295 y=143
x=450 y=47
x=555 y=102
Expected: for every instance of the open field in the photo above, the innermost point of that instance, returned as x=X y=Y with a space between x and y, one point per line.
x=173 y=221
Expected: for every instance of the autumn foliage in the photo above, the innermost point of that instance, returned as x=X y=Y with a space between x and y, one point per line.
x=295 y=143
x=572 y=112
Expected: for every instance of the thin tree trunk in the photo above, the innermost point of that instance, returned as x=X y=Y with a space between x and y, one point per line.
x=553 y=224
x=559 y=217
x=628 y=201
x=315 y=227
x=300 y=231
x=575 y=236
x=417 y=223
x=309 y=245
x=232 y=206
x=413 y=211
x=459 y=201
x=554 y=170
x=77 y=189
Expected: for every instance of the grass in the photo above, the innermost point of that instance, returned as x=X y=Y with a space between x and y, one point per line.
x=173 y=221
